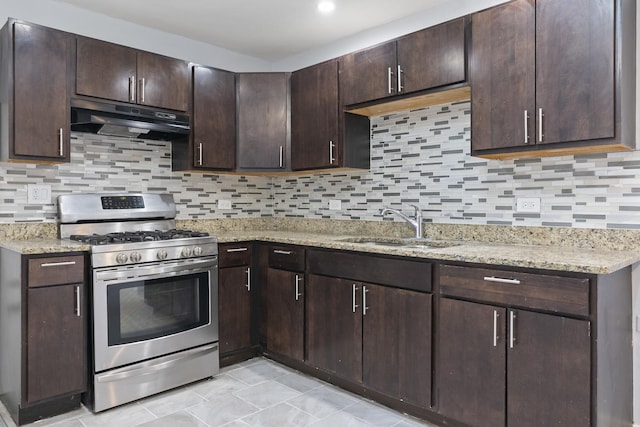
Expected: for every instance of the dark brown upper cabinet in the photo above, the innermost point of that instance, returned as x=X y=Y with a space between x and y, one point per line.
x=213 y=127
x=548 y=78
x=314 y=117
x=322 y=136
x=262 y=102
x=427 y=59
x=119 y=73
x=34 y=84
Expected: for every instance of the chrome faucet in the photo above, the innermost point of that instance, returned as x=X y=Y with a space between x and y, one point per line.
x=416 y=222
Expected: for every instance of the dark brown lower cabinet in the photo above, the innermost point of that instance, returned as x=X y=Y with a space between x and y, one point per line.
x=499 y=365
x=285 y=318
x=55 y=342
x=396 y=343
x=370 y=334
x=234 y=317
x=334 y=326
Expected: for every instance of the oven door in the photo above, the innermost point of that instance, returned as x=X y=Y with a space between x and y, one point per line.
x=150 y=310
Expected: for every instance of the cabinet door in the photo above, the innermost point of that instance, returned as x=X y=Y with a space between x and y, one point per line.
x=314 y=117
x=56 y=344
x=472 y=363
x=163 y=82
x=549 y=363
x=285 y=319
x=432 y=57
x=368 y=74
x=262 y=120
x=334 y=326
x=396 y=354
x=41 y=97
x=105 y=70
x=234 y=308
x=502 y=74
x=214 y=118
x=575 y=85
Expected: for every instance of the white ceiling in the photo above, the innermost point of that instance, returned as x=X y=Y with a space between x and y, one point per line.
x=266 y=29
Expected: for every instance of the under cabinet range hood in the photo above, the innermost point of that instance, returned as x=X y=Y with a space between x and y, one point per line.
x=128 y=121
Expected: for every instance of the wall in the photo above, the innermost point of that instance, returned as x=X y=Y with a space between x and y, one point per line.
x=100 y=163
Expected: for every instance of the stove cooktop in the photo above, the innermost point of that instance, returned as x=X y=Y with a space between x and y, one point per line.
x=135 y=236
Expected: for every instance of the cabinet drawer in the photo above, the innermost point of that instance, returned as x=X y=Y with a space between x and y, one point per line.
x=528 y=290
x=56 y=270
x=286 y=257
x=234 y=254
x=396 y=272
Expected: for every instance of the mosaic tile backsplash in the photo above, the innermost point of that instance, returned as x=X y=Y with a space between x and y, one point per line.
x=419 y=157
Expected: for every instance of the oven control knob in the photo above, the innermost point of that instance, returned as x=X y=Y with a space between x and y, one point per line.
x=135 y=257
x=186 y=252
x=162 y=254
x=197 y=251
x=121 y=258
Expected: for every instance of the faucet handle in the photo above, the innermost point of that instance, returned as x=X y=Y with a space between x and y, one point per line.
x=417 y=209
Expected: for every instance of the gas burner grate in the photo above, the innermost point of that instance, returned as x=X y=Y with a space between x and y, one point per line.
x=136 y=236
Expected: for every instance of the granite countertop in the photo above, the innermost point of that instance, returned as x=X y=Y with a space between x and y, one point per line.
x=569 y=259
x=577 y=260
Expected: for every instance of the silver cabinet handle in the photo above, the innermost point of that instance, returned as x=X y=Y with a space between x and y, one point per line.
x=238 y=250
x=512 y=323
x=389 y=74
x=298 y=294
x=281 y=162
x=540 y=117
x=501 y=280
x=57 y=264
x=248 y=285
x=78 y=301
x=132 y=88
x=142 y=87
x=526 y=127
x=495 y=328
x=400 y=88
x=331 y=154
x=364 y=300
x=278 y=251
x=354 y=305
x=61 y=140
x=200 y=154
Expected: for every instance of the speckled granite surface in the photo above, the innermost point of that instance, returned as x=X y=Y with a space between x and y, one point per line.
x=575 y=250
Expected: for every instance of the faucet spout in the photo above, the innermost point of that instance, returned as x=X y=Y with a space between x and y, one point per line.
x=415 y=222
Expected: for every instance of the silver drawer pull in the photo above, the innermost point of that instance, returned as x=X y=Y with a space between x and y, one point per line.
x=501 y=280
x=238 y=250
x=278 y=251
x=57 y=264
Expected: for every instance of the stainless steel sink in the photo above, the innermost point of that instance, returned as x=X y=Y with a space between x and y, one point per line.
x=405 y=243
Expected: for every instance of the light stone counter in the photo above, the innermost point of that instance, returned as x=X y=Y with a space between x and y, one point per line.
x=573 y=250
x=528 y=256
x=43 y=246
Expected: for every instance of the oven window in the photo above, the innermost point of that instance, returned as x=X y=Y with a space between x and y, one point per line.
x=142 y=310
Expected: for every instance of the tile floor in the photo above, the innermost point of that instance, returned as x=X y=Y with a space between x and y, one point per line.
x=258 y=392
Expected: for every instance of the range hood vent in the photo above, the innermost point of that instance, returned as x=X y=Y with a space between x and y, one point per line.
x=128 y=121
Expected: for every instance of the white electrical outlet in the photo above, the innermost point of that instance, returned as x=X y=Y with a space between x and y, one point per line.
x=528 y=205
x=38 y=194
x=335 y=205
x=224 y=204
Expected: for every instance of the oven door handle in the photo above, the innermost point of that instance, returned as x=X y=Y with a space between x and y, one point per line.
x=124 y=373
x=137 y=272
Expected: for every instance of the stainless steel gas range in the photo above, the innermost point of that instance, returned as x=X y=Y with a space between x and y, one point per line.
x=154 y=295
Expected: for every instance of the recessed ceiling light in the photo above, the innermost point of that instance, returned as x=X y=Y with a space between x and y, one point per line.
x=326 y=6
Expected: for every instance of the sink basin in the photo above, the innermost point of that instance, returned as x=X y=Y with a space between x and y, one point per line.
x=405 y=243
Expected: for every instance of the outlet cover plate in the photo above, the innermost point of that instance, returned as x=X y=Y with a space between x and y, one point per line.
x=528 y=205
x=335 y=205
x=38 y=194
x=224 y=204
